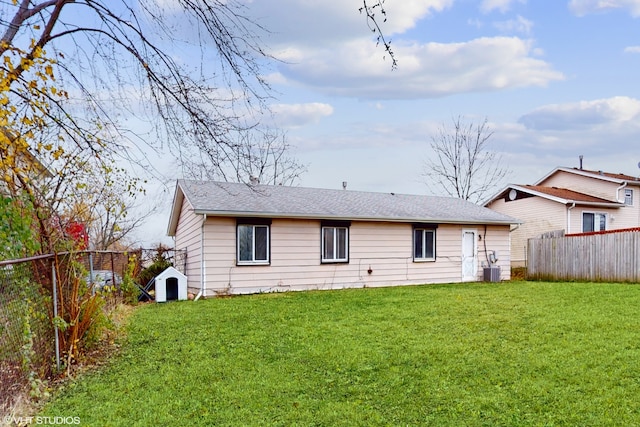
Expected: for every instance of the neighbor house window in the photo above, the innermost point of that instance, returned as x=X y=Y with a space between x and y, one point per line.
x=593 y=222
x=335 y=242
x=628 y=196
x=253 y=242
x=424 y=243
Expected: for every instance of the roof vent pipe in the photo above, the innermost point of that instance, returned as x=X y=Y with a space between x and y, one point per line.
x=581 y=157
x=344 y=185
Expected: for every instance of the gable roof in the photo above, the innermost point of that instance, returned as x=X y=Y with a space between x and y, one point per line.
x=606 y=176
x=560 y=195
x=240 y=200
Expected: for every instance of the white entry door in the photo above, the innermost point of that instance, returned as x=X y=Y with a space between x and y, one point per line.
x=469 y=255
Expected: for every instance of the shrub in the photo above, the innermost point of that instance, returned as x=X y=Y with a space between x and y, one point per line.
x=159 y=264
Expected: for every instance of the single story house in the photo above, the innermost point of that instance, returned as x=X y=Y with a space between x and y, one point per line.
x=568 y=201
x=259 y=238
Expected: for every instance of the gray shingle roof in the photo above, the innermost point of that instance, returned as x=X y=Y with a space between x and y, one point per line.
x=231 y=199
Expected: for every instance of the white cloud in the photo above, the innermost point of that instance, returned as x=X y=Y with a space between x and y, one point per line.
x=501 y=5
x=428 y=70
x=305 y=23
x=475 y=22
x=585 y=7
x=632 y=49
x=584 y=114
x=404 y=14
x=518 y=25
x=328 y=46
x=295 y=115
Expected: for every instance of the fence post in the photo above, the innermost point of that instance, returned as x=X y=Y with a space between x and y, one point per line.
x=55 y=312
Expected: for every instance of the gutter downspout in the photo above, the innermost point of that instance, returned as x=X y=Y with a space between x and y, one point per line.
x=573 y=205
x=618 y=192
x=203 y=270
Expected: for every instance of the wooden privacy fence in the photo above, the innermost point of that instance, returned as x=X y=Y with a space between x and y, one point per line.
x=597 y=257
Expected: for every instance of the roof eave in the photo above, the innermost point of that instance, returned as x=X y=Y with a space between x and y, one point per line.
x=539 y=193
x=245 y=214
x=560 y=199
x=178 y=200
x=582 y=173
x=597 y=204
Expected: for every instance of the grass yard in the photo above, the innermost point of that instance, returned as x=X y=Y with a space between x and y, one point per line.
x=519 y=353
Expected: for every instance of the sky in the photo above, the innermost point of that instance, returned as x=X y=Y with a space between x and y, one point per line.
x=555 y=79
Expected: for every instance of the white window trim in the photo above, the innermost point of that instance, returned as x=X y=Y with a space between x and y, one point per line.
x=595 y=213
x=628 y=195
x=413 y=249
x=335 y=244
x=253 y=261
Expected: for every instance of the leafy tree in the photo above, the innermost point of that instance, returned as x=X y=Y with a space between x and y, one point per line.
x=24 y=115
x=101 y=200
x=112 y=64
x=463 y=165
x=17 y=238
x=119 y=56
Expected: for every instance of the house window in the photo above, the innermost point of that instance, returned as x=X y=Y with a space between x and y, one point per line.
x=628 y=196
x=424 y=244
x=335 y=242
x=593 y=222
x=253 y=243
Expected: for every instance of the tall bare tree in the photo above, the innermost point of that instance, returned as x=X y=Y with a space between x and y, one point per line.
x=463 y=164
x=259 y=155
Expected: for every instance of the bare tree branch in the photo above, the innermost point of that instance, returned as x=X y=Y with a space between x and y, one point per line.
x=369 y=9
x=463 y=165
x=119 y=45
x=257 y=155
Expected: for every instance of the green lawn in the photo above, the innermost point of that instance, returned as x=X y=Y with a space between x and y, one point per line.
x=462 y=355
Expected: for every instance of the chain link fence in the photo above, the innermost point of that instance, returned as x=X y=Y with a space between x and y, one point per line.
x=26 y=332
x=34 y=295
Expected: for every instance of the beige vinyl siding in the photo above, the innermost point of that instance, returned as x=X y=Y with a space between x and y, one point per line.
x=538 y=215
x=188 y=237
x=385 y=248
x=614 y=218
x=583 y=184
x=295 y=243
x=497 y=238
x=628 y=216
x=219 y=252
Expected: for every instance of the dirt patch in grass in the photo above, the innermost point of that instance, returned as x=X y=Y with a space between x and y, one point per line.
x=519 y=273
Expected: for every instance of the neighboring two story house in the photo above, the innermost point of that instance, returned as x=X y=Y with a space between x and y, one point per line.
x=569 y=201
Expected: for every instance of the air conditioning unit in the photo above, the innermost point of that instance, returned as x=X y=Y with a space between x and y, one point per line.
x=491 y=274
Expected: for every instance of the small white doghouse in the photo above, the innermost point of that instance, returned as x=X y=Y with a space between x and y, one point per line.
x=171 y=285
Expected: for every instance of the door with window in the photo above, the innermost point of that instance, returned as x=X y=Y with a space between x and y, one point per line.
x=469 y=255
